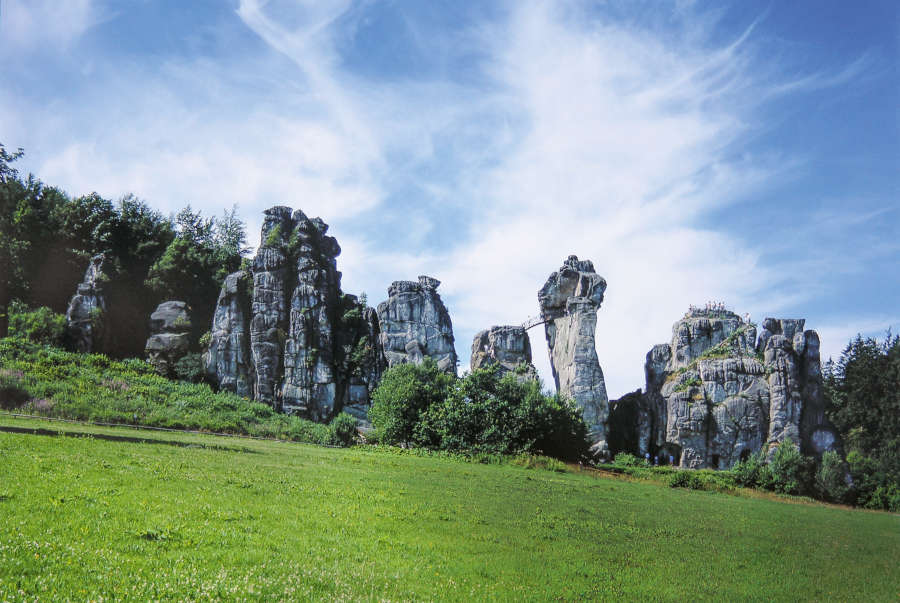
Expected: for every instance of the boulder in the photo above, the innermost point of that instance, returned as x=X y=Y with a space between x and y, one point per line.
x=414 y=324
x=85 y=314
x=507 y=348
x=169 y=341
x=569 y=301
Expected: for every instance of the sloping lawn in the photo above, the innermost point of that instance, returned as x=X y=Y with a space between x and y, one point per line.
x=194 y=517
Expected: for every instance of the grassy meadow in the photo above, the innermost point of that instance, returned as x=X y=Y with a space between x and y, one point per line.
x=122 y=513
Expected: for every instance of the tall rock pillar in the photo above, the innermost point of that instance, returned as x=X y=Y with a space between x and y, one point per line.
x=269 y=304
x=569 y=301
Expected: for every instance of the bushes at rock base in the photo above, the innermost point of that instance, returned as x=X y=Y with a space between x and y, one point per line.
x=791 y=472
x=625 y=459
x=41 y=325
x=342 y=430
x=752 y=472
x=190 y=368
x=831 y=479
x=874 y=486
x=481 y=413
x=404 y=393
x=686 y=479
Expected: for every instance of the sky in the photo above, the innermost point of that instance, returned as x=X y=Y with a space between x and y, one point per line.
x=744 y=152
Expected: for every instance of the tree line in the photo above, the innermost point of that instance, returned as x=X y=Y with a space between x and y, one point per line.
x=48 y=237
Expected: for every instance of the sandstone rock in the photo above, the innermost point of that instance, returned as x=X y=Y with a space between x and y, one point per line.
x=269 y=305
x=724 y=394
x=228 y=360
x=569 y=301
x=507 y=348
x=84 y=316
x=414 y=324
x=293 y=339
x=310 y=384
x=169 y=341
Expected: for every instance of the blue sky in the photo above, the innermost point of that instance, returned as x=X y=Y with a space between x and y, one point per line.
x=745 y=152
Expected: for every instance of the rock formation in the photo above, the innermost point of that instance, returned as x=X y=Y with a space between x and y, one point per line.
x=717 y=393
x=84 y=316
x=228 y=360
x=415 y=324
x=569 y=301
x=170 y=328
x=285 y=334
x=507 y=348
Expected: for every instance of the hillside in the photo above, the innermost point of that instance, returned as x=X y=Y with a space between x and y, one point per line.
x=189 y=516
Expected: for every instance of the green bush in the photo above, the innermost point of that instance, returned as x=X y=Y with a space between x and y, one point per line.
x=686 y=479
x=190 y=368
x=752 y=472
x=625 y=459
x=42 y=325
x=873 y=484
x=480 y=413
x=342 y=430
x=404 y=393
x=791 y=471
x=831 y=479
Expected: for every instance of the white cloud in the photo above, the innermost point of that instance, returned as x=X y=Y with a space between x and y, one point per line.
x=27 y=25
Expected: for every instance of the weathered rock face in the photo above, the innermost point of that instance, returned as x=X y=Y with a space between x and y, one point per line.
x=290 y=337
x=228 y=361
x=507 y=348
x=170 y=328
x=415 y=324
x=269 y=305
x=717 y=394
x=569 y=301
x=84 y=316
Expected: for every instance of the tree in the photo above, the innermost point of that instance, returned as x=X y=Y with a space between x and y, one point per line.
x=196 y=262
x=862 y=392
x=13 y=244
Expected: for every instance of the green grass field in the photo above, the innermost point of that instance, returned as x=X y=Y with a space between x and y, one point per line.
x=196 y=517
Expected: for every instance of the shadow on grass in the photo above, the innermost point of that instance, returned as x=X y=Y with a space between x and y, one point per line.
x=122 y=438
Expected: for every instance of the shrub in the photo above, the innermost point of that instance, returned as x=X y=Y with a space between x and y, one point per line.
x=872 y=482
x=831 y=479
x=625 y=459
x=686 y=479
x=190 y=368
x=751 y=472
x=478 y=414
x=791 y=471
x=885 y=497
x=404 y=393
x=42 y=325
x=342 y=430
x=489 y=414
